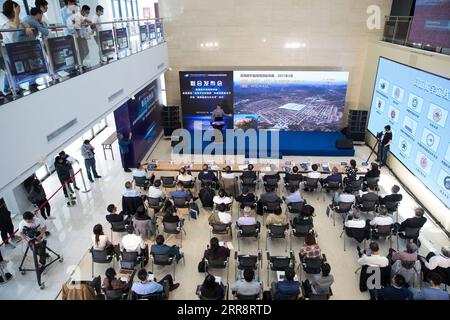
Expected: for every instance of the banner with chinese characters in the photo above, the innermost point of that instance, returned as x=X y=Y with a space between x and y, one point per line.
x=201 y=92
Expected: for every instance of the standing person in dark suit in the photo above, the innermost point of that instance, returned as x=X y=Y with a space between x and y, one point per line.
x=63 y=171
x=124 y=147
x=385 y=144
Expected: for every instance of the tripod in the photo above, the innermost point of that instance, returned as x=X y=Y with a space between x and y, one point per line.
x=37 y=269
x=377 y=147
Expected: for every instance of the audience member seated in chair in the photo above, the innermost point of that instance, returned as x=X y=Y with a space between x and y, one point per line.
x=140 y=173
x=131 y=199
x=381 y=220
x=155 y=192
x=181 y=193
x=277 y=217
x=113 y=216
x=409 y=255
x=310 y=248
x=395 y=196
x=304 y=219
x=161 y=248
x=211 y=290
x=248 y=219
x=415 y=223
x=293 y=179
x=206 y=195
x=294 y=196
x=215 y=251
x=249 y=173
x=207 y=175
x=287 y=289
x=272 y=177
x=369 y=199
x=147 y=284
x=434 y=292
x=246 y=198
x=112 y=283
x=319 y=284
x=269 y=196
x=351 y=172
x=143 y=224
x=228 y=173
x=185 y=176
x=372 y=257
x=395 y=291
x=132 y=242
x=347 y=196
x=437 y=263
x=354 y=221
x=314 y=174
x=222 y=197
x=246 y=287
x=171 y=216
x=334 y=177
x=100 y=241
x=373 y=172
x=222 y=215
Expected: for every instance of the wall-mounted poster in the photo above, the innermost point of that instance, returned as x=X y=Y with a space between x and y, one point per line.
x=106 y=42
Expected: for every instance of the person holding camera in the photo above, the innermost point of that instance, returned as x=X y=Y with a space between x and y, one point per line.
x=385 y=145
x=32 y=230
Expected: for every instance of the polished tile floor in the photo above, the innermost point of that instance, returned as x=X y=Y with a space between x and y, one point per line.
x=72 y=228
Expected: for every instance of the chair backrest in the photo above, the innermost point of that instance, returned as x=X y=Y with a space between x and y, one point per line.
x=113 y=294
x=249 y=230
x=315 y=296
x=248 y=181
x=411 y=233
x=301 y=230
x=120 y=226
x=230 y=186
x=247 y=297
x=278 y=263
x=408 y=264
x=141 y=227
x=188 y=184
x=372 y=181
x=140 y=181
x=277 y=230
x=344 y=207
x=100 y=256
x=271 y=206
x=356 y=185
x=247 y=262
x=296 y=207
x=162 y=259
x=168 y=181
x=391 y=206
x=153 y=202
x=313 y=265
x=153 y=296
x=368 y=205
x=171 y=227
x=217 y=262
x=333 y=185
x=356 y=233
x=180 y=202
x=312 y=182
x=218 y=228
x=271 y=181
x=384 y=231
x=129 y=256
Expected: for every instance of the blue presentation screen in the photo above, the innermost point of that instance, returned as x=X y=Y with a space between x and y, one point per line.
x=416 y=104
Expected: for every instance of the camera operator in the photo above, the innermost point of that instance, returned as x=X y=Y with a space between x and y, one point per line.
x=385 y=145
x=32 y=230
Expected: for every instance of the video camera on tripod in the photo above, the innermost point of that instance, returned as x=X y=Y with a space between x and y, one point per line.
x=379 y=135
x=31 y=233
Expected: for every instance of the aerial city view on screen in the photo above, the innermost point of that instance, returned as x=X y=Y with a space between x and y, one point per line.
x=298 y=101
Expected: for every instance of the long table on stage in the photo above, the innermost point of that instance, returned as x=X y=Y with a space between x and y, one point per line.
x=258 y=167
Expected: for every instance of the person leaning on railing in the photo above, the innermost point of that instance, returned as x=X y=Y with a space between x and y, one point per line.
x=34 y=20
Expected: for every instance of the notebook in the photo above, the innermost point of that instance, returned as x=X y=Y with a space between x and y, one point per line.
x=326 y=167
x=229 y=244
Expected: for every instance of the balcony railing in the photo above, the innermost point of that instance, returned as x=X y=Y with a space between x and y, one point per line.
x=397 y=29
x=32 y=63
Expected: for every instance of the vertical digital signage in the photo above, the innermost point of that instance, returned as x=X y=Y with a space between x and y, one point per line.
x=122 y=38
x=62 y=53
x=106 y=42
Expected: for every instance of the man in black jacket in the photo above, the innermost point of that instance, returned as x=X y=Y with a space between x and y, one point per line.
x=394 y=197
x=6 y=225
x=246 y=198
x=249 y=173
x=113 y=216
x=63 y=168
x=206 y=195
x=415 y=222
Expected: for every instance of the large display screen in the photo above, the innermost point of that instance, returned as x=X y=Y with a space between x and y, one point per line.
x=290 y=100
x=201 y=92
x=431 y=23
x=416 y=104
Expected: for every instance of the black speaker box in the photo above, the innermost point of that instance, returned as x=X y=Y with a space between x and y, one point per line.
x=344 y=144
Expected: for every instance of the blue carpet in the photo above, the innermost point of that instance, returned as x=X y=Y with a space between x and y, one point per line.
x=291 y=143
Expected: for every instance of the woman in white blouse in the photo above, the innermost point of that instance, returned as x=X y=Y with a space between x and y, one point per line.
x=222 y=198
x=185 y=176
x=100 y=241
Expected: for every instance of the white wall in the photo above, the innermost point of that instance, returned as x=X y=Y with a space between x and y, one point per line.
x=428 y=61
x=26 y=122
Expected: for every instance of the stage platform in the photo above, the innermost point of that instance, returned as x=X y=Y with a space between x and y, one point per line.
x=291 y=143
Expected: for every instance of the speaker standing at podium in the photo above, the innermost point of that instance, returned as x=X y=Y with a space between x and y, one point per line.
x=217 y=115
x=385 y=144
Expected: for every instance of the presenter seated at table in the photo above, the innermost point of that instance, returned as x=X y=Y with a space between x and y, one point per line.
x=141 y=172
x=185 y=175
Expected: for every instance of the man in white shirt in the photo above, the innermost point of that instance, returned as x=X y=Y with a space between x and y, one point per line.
x=346 y=196
x=227 y=174
x=132 y=242
x=246 y=286
x=32 y=230
x=129 y=192
x=382 y=219
x=155 y=191
x=314 y=174
x=372 y=258
x=433 y=261
x=355 y=221
x=79 y=22
x=223 y=214
x=221 y=197
x=247 y=219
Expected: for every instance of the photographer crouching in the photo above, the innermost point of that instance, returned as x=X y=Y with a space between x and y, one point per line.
x=32 y=230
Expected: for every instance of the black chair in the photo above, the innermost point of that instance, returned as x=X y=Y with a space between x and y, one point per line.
x=248 y=182
x=189 y=184
x=373 y=181
x=245 y=261
x=295 y=207
x=343 y=208
x=155 y=203
x=174 y=228
x=367 y=275
x=293 y=183
x=141 y=182
x=279 y=263
x=316 y=296
x=392 y=208
x=271 y=182
x=247 y=297
x=220 y=229
x=198 y=292
x=356 y=185
x=168 y=182
x=120 y=227
x=129 y=260
x=311 y=265
x=163 y=260
x=300 y=230
x=368 y=206
x=244 y=204
x=277 y=231
x=249 y=231
x=217 y=263
x=115 y=294
x=311 y=184
x=409 y=234
x=270 y=207
x=359 y=234
x=385 y=232
x=180 y=202
x=100 y=256
x=332 y=186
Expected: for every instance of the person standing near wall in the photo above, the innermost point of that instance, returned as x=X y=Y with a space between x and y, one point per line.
x=70 y=160
x=38 y=197
x=87 y=151
x=385 y=144
x=124 y=147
